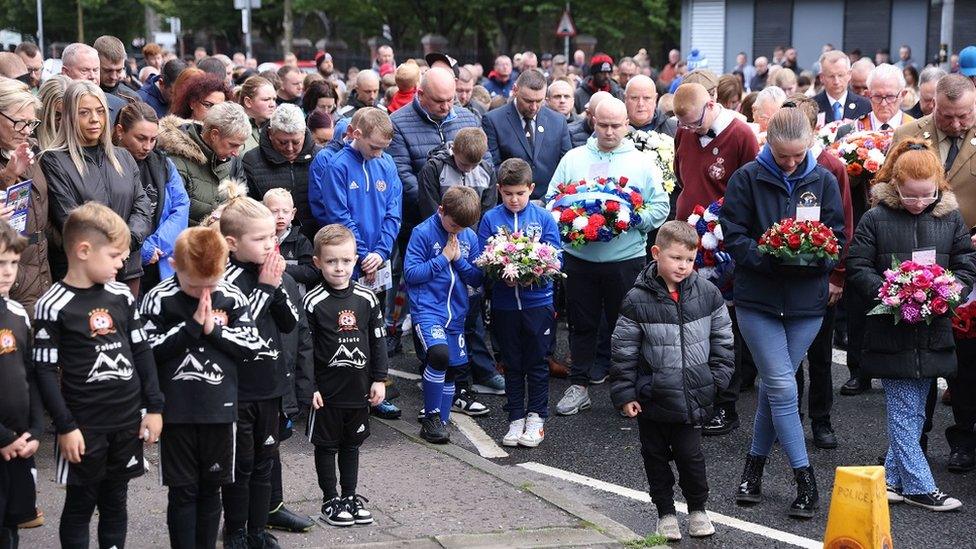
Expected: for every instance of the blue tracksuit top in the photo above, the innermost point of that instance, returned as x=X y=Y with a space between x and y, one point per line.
x=364 y=195
x=438 y=288
x=533 y=221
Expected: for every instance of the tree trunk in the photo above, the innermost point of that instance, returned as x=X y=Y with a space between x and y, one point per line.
x=81 y=23
x=289 y=27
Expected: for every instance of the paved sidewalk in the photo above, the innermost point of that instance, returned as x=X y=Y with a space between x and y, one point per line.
x=422 y=496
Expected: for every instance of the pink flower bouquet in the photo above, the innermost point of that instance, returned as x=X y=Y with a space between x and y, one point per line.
x=517 y=258
x=915 y=293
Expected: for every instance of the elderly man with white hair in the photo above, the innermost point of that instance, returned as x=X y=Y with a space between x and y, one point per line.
x=80 y=62
x=768 y=101
x=886 y=88
x=640 y=97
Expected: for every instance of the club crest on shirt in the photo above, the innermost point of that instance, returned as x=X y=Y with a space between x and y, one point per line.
x=100 y=322
x=8 y=342
x=380 y=185
x=533 y=230
x=717 y=170
x=347 y=321
x=220 y=317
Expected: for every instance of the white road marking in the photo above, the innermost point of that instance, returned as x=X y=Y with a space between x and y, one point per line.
x=486 y=446
x=718 y=518
x=839 y=357
x=404 y=375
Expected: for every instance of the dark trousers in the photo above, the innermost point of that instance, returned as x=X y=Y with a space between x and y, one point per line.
x=524 y=338
x=857 y=310
x=246 y=501
x=819 y=360
x=481 y=364
x=325 y=468
x=109 y=496
x=593 y=290
x=662 y=443
x=745 y=368
x=961 y=435
x=193 y=516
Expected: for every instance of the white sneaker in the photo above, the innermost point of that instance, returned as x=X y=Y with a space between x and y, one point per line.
x=667 y=526
x=699 y=525
x=515 y=430
x=534 y=432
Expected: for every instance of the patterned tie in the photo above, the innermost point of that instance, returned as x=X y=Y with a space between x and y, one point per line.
x=838 y=111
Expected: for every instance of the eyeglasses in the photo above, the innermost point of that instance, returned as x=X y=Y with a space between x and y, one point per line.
x=918 y=200
x=696 y=125
x=21 y=125
x=884 y=98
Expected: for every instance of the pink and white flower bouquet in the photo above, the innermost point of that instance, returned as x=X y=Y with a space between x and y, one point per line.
x=516 y=258
x=915 y=293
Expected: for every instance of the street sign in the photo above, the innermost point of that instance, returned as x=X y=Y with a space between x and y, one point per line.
x=566 y=28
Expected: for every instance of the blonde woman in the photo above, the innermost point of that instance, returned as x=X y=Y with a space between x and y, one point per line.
x=83 y=165
x=51 y=95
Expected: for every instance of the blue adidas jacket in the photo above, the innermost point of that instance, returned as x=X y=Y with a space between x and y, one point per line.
x=317 y=171
x=438 y=288
x=364 y=195
x=533 y=221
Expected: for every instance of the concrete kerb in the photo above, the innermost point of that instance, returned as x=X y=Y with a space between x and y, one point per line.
x=511 y=476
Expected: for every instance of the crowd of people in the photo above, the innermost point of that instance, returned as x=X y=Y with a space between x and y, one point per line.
x=214 y=251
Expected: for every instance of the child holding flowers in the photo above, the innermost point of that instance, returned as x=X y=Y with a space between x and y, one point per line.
x=916 y=219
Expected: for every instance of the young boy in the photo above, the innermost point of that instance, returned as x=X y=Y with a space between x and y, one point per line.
x=292 y=244
x=522 y=317
x=672 y=353
x=349 y=339
x=461 y=164
x=407 y=76
x=21 y=413
x=200 y=330
x=438 y=265
x=95 y=371
x=363 y=192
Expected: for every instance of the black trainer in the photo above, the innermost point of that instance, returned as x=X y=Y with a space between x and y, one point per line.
x=236 y=539
x=961 y=461
x=433 y=430
x=263 y=540
x=807 y=498
x=855 y=386
x=722 y=422
x=283 y=518
x=750 y=487
x=823 y=435
x=935 y=501
x=354 y=504
x=336 y=512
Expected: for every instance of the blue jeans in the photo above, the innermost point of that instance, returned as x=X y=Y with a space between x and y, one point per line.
x=778 y=345
x=905 y=464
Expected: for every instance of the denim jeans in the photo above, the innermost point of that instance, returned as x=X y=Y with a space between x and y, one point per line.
x=778 y=345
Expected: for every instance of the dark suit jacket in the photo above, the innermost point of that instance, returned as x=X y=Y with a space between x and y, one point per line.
x=506 y=139
x=856 y=107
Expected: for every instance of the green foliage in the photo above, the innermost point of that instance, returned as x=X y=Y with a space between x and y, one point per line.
x=122 y=18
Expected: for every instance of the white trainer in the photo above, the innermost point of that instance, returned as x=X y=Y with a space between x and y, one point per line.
x=534 y=431
x=515 y=430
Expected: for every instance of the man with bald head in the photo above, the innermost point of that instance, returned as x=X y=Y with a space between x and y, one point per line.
x=560 y=99
x=80 y=62
x=710 y=145
x=365 y=93
x=582 y=129
x=640 y=96
x=499 y=81
x=859 y=75
x=599 y=275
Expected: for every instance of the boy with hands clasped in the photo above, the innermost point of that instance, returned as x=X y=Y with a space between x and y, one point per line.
x=670 y=388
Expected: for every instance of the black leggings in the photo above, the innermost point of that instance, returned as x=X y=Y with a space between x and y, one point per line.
x=109 y=496
x=325 y=462
x=193 y=516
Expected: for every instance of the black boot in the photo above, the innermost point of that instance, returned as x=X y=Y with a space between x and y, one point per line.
x=961 y=460
x=750 y=488
x=807 y=498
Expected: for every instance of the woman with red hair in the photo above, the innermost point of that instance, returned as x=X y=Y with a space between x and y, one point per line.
x=198 y=94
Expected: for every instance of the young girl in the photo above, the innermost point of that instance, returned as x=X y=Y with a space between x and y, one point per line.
x=256 y=268
x=915 y=214
x=83 y=165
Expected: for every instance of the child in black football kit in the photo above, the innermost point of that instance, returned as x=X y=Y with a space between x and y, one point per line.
x=21 y=414
x=256 y=269
x=349 y=340
x=95 y=371
x=200 y=329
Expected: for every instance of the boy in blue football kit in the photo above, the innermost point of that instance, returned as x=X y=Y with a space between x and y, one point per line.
x=438 y=267
x=522 y=317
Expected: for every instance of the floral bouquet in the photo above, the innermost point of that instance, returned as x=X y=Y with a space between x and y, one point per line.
x=917 y=293
x=964 y=321
x=520 y=259
x=828 y=133
x=660 y=150
x=597 y=211
x=799 y=243
x=712 y=261
x=862 y=152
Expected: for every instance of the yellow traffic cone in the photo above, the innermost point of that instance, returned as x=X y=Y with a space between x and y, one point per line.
x=859 y=510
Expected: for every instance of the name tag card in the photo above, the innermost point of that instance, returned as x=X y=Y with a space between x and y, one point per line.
x=924 y=257
x=599 y=169
x=808 y=213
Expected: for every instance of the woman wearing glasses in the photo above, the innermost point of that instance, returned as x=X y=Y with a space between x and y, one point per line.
x=917 y=218
x=779 y=307
x=83 y=165
x=197 y=96
x=18 y=119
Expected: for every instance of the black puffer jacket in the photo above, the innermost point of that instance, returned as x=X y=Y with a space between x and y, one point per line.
x=886 y=232
x=671 y=357
x=265 y=169
x=123 y=192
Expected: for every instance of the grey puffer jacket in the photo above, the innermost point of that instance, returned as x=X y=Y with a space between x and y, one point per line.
x=887 y=231
x=671 y=357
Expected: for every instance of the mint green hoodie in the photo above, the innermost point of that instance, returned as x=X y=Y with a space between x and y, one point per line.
x=624 y=161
